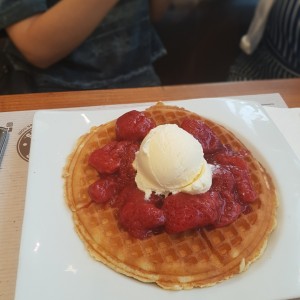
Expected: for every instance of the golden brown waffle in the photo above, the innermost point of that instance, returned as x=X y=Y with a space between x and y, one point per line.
x=181 y=261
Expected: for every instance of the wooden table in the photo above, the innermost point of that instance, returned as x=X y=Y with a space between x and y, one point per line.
x=289 y=90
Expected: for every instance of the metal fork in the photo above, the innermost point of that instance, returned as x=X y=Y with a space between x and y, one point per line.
x=4 y=134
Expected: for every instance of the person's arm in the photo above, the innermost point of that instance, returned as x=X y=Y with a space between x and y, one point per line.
x=46 y=38
x=158 y=8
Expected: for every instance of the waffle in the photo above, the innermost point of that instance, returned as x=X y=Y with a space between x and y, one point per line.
x=196 y=258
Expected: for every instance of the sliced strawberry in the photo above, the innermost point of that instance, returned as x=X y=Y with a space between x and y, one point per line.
x=133 y=126
x=230 y=209
x=131 y=193
x=103 y=190
x=106 y=160
x=126 y=170
x=207 y=138
x=232 y=159
x=184 y=211
x=238 y=167
x=244 y=186
x=222 y=179
x=140 y=218
x=114 y=156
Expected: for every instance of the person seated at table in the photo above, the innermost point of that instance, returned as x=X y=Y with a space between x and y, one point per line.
x=272 y=44
x=83 y=44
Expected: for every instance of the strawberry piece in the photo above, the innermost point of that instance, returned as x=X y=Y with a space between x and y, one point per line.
x=103 y=190
x=140 y=220
x=131 y=193
x=222 y=179
x=138 y=216
x=229 y=188
x=238 y=167
x=133 y=126
x=230 y=209
x=232 y=159
x=200 y=131
x=109 y=158
x=126 y=171
x=243 y=185
x=106 y=160
x=184 y=211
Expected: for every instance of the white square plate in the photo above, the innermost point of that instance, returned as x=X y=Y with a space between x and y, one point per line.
x=55 y=265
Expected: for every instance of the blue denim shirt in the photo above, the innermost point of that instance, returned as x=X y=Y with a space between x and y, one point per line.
x=119 y=53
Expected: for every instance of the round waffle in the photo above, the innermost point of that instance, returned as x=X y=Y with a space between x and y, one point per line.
x=195 y=258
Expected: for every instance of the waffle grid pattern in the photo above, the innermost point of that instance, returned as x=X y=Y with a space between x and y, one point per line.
x=196 y=258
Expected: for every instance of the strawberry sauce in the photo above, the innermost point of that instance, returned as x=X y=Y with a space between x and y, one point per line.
x=229 y=196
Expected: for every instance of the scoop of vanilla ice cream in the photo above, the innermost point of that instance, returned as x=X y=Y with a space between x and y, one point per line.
x=170 y=160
